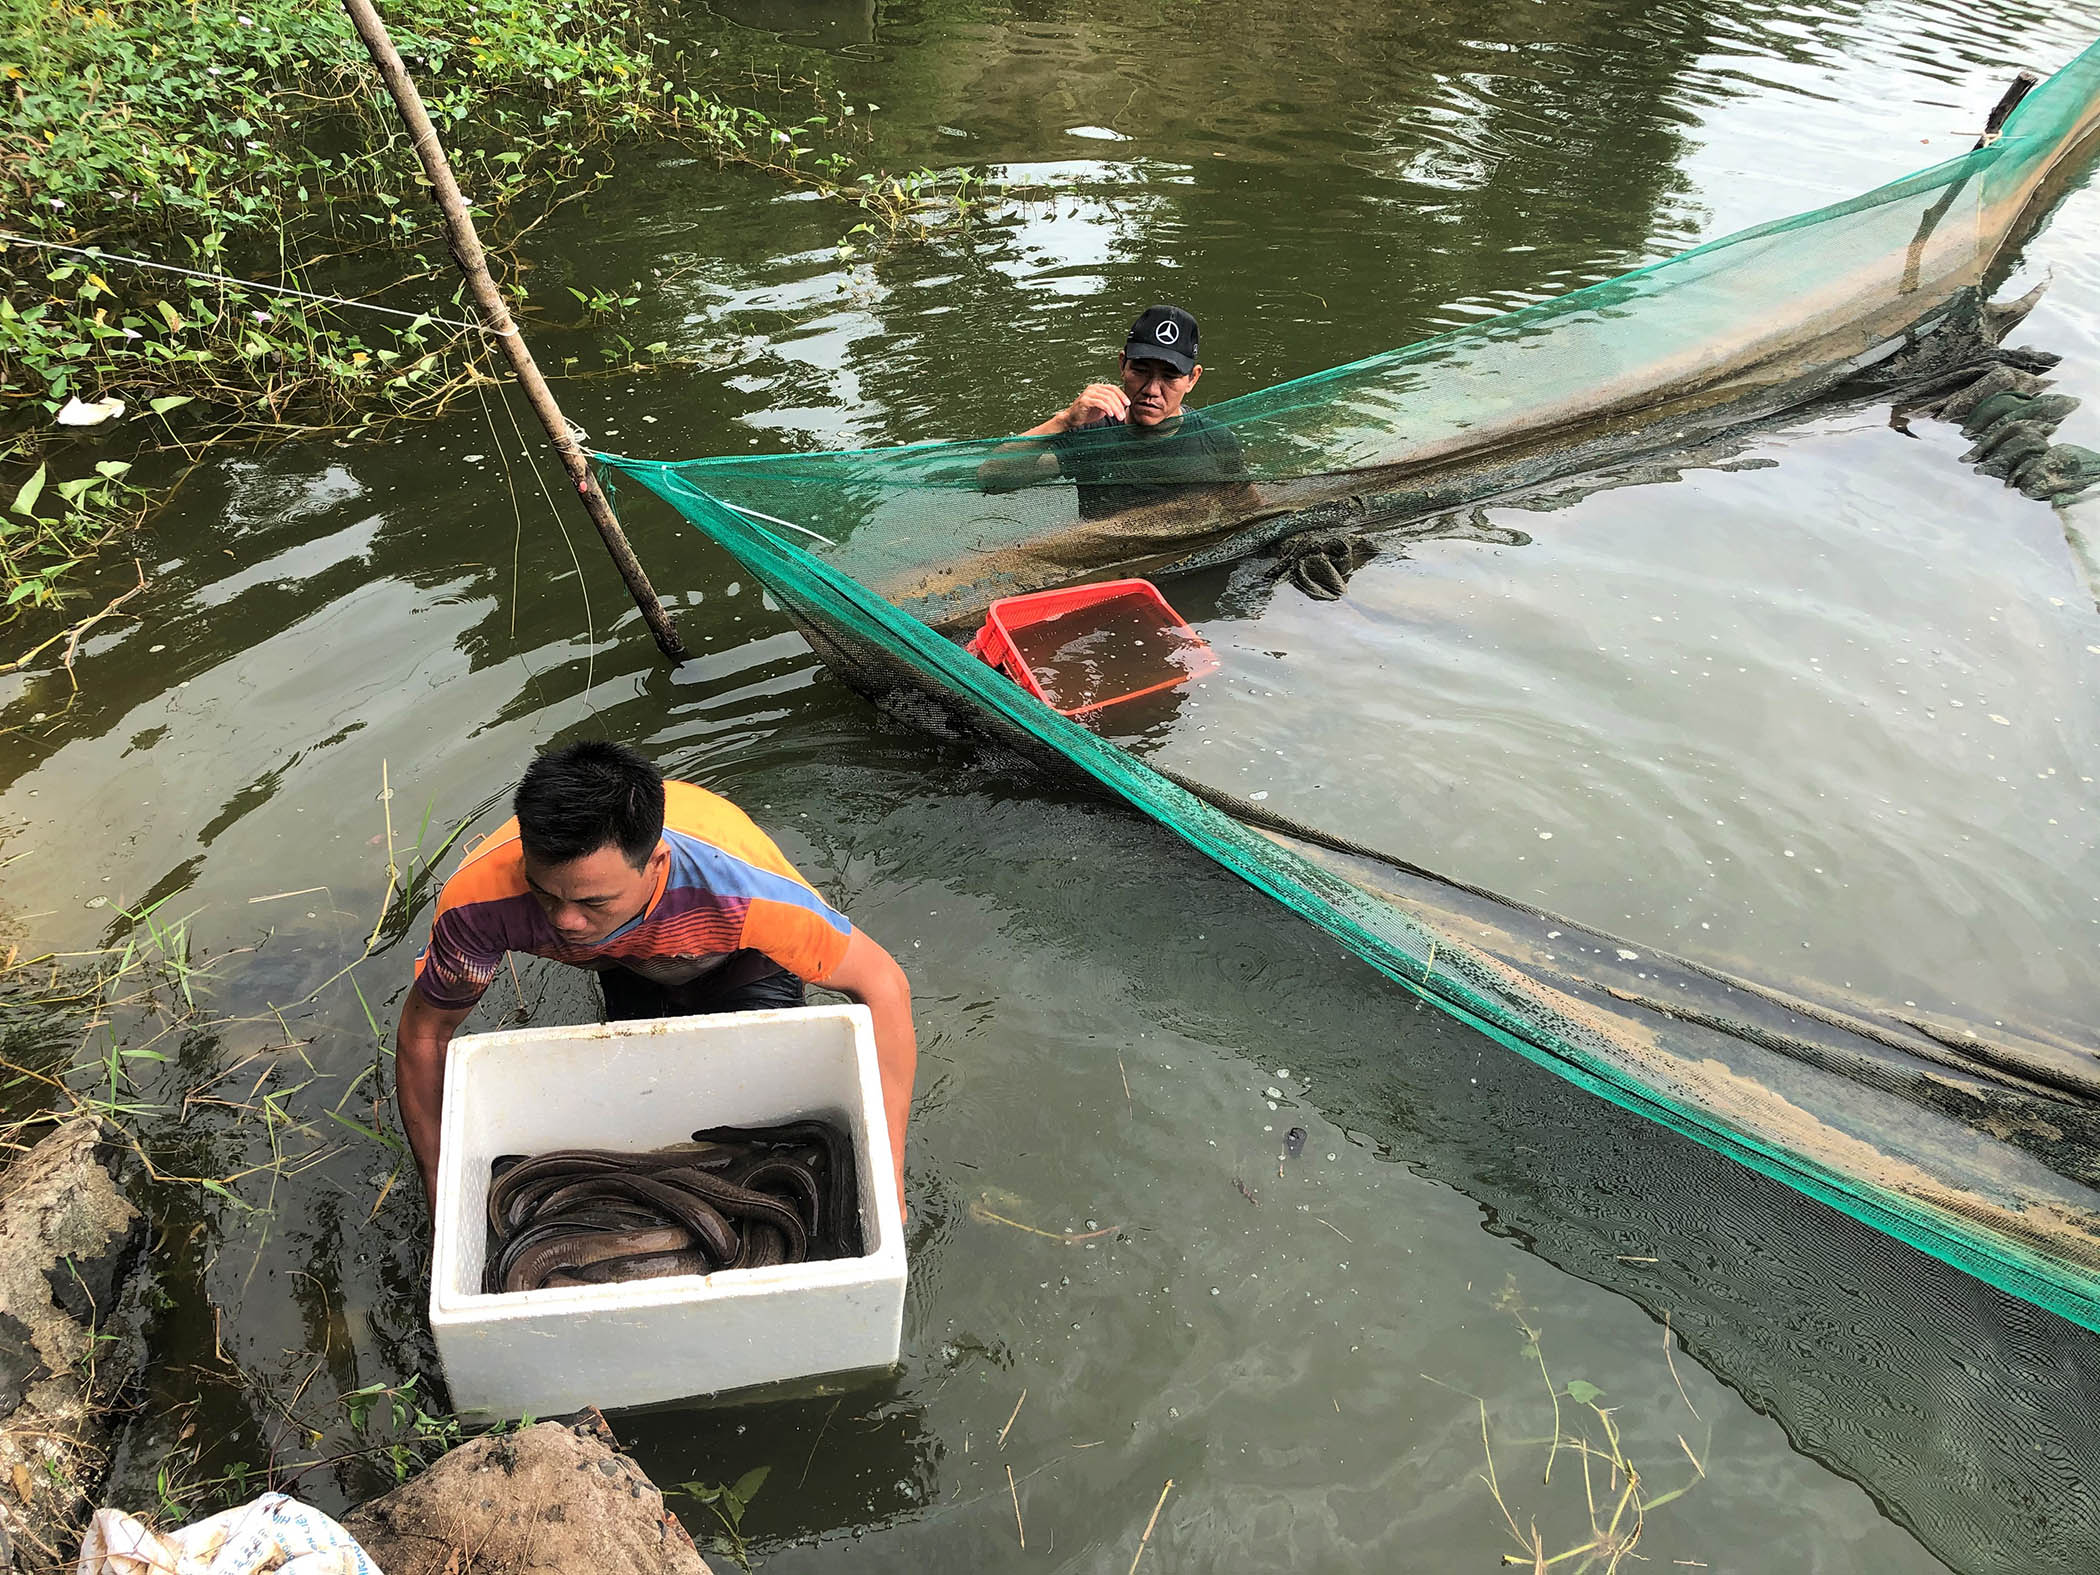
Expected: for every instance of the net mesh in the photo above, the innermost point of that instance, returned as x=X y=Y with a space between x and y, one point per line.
x=1924 y=1131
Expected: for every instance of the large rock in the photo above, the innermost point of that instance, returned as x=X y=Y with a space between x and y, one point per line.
x=67 y=1237
x=552 y=1497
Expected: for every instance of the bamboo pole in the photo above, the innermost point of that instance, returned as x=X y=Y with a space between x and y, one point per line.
x=496 y=320
x=2017 y=89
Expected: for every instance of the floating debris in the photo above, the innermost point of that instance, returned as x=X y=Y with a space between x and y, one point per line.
x=76 y=413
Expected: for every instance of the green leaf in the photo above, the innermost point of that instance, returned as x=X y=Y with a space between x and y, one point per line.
x=112 y=468
x=168 y=402
x=25 y=500
x=358 y=1126
x=749 y=1483
x=26 y=588
x=1583 y=1393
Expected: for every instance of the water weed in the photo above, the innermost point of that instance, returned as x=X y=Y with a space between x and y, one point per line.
x=50 y=527
x=109 y=1031
x=1588 y=1443
x=727 y=1502
x=415 y=1437
x=203 y=203
x=248 y=139
x=223 y=1113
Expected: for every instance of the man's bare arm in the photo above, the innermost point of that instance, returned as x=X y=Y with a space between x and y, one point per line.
x=420 y=1043
x=870 y=975
x=1017 y=464
x=1096 y=402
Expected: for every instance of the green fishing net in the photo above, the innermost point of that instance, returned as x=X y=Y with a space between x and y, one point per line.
x=1983 y=1151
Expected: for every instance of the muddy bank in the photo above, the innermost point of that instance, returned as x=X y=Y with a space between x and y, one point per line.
x=550 y=1497
x=554 y=1496
x=68 y=1240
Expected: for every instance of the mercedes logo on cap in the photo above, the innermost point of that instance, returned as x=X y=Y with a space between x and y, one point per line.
x=1167 y=333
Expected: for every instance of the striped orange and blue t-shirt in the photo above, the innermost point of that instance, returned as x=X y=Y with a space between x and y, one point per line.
x=726 y=888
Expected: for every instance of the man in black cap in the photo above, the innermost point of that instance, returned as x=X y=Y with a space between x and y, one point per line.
x=1133 y=443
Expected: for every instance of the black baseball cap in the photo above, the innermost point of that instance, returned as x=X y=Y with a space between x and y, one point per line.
x=1164 y=333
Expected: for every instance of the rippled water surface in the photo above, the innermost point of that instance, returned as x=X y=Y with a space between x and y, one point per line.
x=1827 y=717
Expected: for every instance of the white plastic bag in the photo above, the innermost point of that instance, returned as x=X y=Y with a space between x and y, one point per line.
x=276 y=1534
x=80 y=414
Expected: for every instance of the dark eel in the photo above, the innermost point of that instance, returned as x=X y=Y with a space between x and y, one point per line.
x=733 y=1198
x=829 y=1168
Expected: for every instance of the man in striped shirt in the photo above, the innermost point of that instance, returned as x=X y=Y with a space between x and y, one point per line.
x=669 y=894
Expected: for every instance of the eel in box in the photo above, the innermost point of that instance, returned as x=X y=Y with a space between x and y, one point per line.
x=733 y=1198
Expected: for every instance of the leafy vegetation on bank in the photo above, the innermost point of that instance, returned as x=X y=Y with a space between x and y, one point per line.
x=250 y=138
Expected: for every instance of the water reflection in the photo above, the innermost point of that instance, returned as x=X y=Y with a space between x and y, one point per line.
x=1902 y=1373
x=821 y=24
x=845 y=1456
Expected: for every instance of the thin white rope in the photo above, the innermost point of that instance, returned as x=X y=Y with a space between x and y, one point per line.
x=590 y=631
x=517 y=540
x=775 y=519
x=96 y=254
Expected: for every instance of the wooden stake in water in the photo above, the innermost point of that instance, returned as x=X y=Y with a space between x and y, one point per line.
x=496 y=319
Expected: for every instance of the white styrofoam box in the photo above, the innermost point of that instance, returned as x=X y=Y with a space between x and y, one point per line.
x=639 y=1085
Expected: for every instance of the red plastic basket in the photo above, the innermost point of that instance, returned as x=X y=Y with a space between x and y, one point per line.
x=996 y=642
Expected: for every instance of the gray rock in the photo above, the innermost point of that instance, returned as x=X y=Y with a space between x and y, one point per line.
x=2048 y=411
x=1959 y=407
x=553 y=1497
x=2015 y=450
x=67 y=1238
x=2058 y=474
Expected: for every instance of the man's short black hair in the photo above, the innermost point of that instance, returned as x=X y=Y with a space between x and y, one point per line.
x=579 y=798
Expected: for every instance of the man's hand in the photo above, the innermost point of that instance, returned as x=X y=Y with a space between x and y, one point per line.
x=420 y=1043
x=1096 y=402
x=1019 y=464
x=870 y=975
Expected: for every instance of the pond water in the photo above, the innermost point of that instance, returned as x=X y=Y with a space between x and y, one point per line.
x=1756 y=711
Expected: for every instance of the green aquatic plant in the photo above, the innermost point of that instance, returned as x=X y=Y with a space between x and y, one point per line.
x=919 y=200
x=209 y=212
x=388 y=1427
x=727 y=1504
x=1617 y=1497
x=132 y=1031
x=415 y=1437
x=247 y=139
x=147 y=971
x=84 y=1032
x=79 y=1029
x=49 y=527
